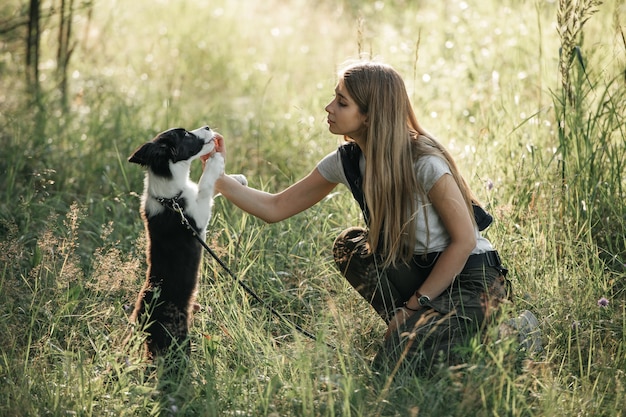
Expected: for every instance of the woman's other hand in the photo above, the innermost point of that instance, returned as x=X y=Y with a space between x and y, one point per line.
x=398 y=319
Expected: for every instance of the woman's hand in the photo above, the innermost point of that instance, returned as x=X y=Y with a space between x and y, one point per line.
x=402 y=314
x=219 y=144
x=219 y=147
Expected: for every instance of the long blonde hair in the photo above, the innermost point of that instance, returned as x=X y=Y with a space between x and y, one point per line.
x=393 y=142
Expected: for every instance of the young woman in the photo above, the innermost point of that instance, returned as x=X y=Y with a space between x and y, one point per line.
x=421 y=262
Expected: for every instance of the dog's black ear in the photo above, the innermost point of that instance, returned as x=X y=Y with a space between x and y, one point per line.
x=140 y=156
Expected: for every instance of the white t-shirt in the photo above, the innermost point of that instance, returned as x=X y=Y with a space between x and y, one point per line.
x=429 y=169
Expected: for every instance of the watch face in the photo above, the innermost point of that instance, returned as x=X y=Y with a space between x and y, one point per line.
x=423 y=300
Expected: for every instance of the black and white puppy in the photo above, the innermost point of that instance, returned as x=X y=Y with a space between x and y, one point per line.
x=173 y=254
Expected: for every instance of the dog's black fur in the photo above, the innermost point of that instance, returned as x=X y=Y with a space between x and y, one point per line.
x=163 y=306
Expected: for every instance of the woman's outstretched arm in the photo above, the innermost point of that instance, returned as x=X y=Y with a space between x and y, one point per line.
x=276 y=207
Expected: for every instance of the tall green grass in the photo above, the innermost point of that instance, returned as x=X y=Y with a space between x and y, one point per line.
x=539 y=134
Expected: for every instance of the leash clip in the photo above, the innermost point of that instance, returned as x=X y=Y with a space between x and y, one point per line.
x=178 y=209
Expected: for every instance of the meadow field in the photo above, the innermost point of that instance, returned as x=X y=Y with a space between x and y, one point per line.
x=528 y=96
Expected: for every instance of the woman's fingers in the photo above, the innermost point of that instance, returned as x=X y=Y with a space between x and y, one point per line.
x=219 y=143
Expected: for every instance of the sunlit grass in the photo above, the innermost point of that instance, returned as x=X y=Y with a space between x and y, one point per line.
x=484 y=77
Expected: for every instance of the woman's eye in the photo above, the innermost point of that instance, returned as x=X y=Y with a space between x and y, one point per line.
x=339 y=101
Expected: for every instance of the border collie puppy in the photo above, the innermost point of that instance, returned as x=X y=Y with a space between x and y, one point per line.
x=163 y=306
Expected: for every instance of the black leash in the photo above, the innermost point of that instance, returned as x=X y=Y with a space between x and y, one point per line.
x=172 y=204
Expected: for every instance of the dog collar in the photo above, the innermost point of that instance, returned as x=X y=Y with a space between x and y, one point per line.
x=169 y=202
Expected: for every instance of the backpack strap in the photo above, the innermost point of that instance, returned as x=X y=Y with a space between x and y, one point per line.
x=350 y=155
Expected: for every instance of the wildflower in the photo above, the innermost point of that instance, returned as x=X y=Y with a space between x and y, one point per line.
x=603 y=302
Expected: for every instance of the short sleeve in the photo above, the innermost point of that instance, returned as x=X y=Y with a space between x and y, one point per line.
x=331 y=169
x=430 y=168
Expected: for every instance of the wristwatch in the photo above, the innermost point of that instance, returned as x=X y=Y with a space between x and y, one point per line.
x=422 y=300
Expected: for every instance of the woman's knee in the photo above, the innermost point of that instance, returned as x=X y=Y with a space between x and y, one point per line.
x=350 y=243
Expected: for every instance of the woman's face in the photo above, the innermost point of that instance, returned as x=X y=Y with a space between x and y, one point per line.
x=344 y=116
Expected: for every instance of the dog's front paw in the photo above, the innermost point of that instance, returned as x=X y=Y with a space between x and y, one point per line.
x=214 y=166
x=241 y=179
